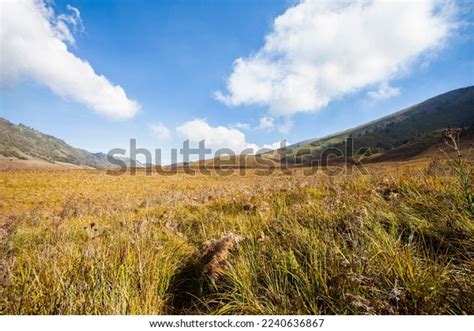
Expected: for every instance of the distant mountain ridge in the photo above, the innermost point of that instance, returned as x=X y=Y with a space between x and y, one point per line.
x=405 y=133
x=21 y=142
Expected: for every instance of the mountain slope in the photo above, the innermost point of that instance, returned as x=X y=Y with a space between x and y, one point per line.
x=21 y=143
x=451 y=109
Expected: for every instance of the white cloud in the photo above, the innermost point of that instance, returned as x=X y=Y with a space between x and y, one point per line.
x=214 y=137
x=285 y=125
x=266 y=123
x=384 y=91
x=34 y=45
x=321 y=50
x=222 y=137
x=242 y=126
x=62 y=22
x=277 y=145
x=160 y=131
x=282 y=124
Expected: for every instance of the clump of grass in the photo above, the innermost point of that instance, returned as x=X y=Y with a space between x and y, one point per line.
x=196 y=279
x=460 y=165
x=216 y=254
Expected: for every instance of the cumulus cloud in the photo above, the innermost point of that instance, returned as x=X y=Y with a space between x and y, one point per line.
x=321 y=50
x=160 y=131
x=281 y=124
x=277 y=145
x=222 y=137
x=242 y=126
x=384 y=91
x=34 y=44
x=214 y=137
x=266 y=123
x=285 y=125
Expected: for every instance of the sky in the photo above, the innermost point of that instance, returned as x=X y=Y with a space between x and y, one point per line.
x=237 y=73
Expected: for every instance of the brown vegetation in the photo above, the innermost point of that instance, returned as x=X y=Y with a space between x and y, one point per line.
x=397 y=241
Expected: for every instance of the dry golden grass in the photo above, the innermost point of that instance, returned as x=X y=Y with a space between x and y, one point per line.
x=397 y=241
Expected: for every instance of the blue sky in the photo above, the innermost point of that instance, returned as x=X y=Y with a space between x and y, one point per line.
x=170 y=57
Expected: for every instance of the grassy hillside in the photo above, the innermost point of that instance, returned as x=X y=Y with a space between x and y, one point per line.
x=451 y=109
x=23 y=143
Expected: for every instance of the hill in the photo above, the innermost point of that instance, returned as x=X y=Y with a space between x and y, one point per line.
x=451 y=109
x=399 y=136
x=24 y=147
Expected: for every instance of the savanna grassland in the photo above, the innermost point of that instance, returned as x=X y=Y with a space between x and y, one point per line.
x=399 y=240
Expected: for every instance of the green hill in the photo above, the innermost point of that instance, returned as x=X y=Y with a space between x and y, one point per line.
x=451 y=109
x=24 y=143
